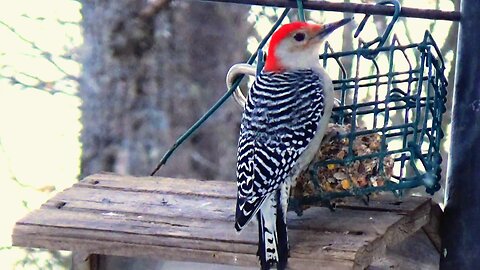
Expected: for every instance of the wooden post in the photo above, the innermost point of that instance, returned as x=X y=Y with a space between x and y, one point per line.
x=84 y=261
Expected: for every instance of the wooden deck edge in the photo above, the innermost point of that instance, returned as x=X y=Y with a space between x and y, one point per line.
x=396 y=233
x=432 y=228
x=114 y=248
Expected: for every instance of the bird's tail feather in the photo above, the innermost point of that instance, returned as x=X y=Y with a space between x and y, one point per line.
x=282 y=236
x=272 y=240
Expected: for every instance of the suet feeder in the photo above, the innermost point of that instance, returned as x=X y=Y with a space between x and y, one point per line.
x=389 y=120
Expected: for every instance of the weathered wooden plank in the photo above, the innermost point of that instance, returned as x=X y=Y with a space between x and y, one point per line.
x=35 y=237
x=399 y=231
x=225 y=189
x=144 y=203
x=162 y=200
x=414 y=253
x=211 y=235
x=203 y=188
x=386 y=202
x=126 y=203
x=183 y=219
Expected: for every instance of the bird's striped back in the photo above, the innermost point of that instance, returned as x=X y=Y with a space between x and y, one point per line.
x=280 y=118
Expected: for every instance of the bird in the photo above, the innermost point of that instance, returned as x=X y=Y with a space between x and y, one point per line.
x=284 y=120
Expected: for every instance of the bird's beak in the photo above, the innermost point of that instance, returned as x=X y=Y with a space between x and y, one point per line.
x=329 y=28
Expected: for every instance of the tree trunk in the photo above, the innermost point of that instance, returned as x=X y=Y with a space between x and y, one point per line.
x=147 y=78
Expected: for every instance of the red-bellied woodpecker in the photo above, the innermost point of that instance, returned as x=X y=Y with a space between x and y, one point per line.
x=285 y=117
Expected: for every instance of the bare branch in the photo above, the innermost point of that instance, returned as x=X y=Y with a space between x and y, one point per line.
x=450 y=40
x=9 y=168
x=202 y=160
x=47 y=55
x=43 y=86
x=407 y=31
x=62 y=22
x=433 y=23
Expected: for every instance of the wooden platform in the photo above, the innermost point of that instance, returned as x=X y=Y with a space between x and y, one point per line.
x=192 y=220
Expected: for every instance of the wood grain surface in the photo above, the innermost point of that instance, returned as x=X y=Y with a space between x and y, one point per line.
x=192 y=220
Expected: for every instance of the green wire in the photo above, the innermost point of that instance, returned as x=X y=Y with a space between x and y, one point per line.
x=222 y=100
x=301 y=12
x=425 y=127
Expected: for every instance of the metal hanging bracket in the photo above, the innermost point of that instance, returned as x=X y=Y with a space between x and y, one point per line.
x=383 y=38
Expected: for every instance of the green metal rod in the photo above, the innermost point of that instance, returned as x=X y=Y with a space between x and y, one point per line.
x=222 y=100
x=301 y=12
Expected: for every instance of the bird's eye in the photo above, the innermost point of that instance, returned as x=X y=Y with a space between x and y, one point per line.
x=299 y=36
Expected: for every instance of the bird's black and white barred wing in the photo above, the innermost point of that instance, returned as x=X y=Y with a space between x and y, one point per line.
x=280 y=119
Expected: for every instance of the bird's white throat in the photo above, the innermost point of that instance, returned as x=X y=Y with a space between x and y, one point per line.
x=296 y=58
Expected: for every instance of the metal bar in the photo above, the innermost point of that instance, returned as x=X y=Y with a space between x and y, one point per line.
x=370 y=9
x=461 y=221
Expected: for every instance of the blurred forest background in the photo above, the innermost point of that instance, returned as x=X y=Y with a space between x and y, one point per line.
x=89 y=86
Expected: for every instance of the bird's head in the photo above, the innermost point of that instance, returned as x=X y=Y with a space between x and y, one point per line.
x=296 y=45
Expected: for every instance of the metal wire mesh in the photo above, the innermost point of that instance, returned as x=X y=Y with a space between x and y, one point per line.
x=397 y=91
x=400 y=94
